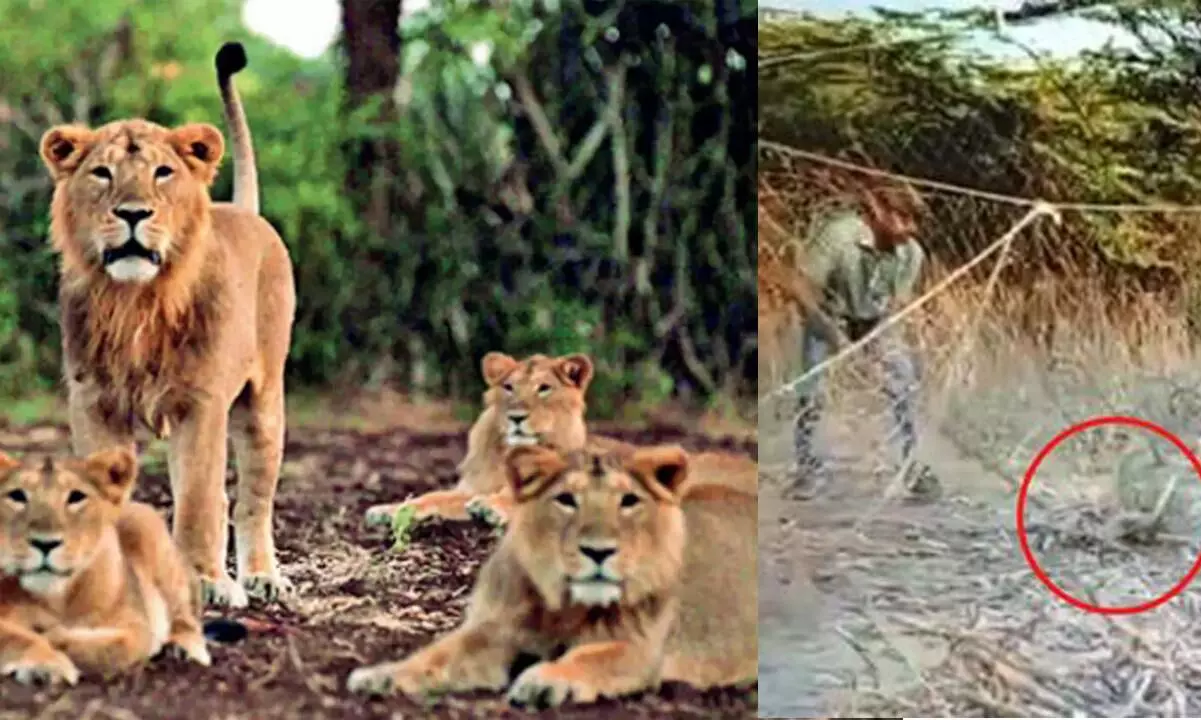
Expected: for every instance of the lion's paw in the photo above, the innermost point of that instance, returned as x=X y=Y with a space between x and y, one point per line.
x=42 y=669
x=388 y=678
x=479 y=508
x=545 y=686
x=189 y=648
x=222 y=592
x=267 y=587
x=373 y=680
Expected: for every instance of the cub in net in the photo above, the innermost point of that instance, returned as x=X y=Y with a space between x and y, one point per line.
x=619 y=570
x=89 y=581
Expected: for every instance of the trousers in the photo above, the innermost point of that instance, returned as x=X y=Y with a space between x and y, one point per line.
x=900 y=381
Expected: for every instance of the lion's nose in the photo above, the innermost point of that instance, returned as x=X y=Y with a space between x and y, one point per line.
x=518 y=416
x=132 y=216
x=597 y=555
x=45 y=545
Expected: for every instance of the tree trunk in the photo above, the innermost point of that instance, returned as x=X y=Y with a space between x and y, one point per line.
x=371 y=42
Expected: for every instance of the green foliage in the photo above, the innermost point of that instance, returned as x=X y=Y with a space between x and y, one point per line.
x=1112 y=126
x=485 y=249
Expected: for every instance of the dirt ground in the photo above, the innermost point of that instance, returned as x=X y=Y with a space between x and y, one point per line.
x=871 y=606
x=358 y=601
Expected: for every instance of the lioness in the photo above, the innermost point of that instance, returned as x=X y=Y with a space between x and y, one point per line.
x=535 y=401
x=87 y=578
x=617 y=571
x=176 y=316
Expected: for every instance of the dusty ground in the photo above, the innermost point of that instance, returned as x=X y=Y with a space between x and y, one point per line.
x=870 y=606
x=358 y=601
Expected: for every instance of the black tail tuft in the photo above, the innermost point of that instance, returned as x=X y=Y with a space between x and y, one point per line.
x=225 y=630
x=231 y=59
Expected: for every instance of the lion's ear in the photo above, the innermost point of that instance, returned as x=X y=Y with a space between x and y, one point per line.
x=530 y=468
x=64 y=147
x=113 y=472
x=577 y=369
x=201 y=146
x=495 y=366
x=662 y=468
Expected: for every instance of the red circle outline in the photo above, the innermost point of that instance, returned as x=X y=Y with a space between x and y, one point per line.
x=1021 y=511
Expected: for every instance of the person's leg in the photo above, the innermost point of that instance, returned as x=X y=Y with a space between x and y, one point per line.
x=809 y=472
x=901 y=383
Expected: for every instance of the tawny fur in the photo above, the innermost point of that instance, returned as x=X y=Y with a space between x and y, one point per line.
x=121 y=591
x=549 y=393
x=197 y=352
x=682 y=603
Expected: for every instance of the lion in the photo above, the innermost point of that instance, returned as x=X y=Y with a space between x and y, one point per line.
x=88 y=579
x=619 y=570
x=176 y=316
x=535 y=401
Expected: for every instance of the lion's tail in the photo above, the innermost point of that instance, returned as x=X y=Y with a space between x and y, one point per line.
x=231 y=59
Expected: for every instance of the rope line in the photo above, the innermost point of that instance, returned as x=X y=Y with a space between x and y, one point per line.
x=774 y=61
x=1038 y=210
x=976 y=192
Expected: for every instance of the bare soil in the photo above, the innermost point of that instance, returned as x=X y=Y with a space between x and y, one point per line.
x=872 y=606
x=358 y=601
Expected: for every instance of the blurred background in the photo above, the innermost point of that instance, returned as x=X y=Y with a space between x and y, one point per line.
x=451 y=177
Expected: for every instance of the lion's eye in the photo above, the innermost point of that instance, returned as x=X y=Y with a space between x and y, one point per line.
x=629 y=500
x=75 y=497
x=163 y=172
x=544 y=389
x=102 y=172
x=18 y=496
x=508 y=387
x=567 y=500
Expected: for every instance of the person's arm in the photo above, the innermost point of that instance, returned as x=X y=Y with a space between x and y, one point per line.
x=907 y=276
x=824 y=256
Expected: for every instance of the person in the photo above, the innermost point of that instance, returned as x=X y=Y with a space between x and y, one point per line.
x=865 y=263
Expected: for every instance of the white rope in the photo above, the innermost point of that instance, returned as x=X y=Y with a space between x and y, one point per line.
x=976 y=192
x=767 y=63
x=1038 y=210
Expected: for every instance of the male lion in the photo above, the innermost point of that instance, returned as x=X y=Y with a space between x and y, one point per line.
x=538 y=400
x=87 y=578
x=616 y=572
x=176 y=316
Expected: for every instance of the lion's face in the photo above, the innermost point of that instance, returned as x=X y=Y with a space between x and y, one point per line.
x=539 y=400
x=128 y=196
x=54 y=513
x=598 y=529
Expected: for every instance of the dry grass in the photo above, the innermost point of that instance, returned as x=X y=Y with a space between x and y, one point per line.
x=932 y=610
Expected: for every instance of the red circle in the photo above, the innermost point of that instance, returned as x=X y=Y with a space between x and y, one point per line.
x=1021 y=511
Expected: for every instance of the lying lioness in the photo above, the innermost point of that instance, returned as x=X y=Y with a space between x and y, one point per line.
x=535 y=401
x=88 y=579
x=618 y=570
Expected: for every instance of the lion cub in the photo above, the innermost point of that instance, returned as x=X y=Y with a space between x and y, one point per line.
x=618 y=571
x=88 y=579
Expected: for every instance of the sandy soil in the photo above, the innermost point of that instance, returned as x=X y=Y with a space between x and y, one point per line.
x=358 y=601
x=871 y=606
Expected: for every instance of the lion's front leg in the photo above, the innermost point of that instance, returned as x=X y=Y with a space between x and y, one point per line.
x=469 y=658
x=90 y=431
x=105 y=650
x=30 y=658
x=196 y=462
x=258 y=439
x=585 y=673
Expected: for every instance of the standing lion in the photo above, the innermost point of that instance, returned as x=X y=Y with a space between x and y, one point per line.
x=176 y=317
